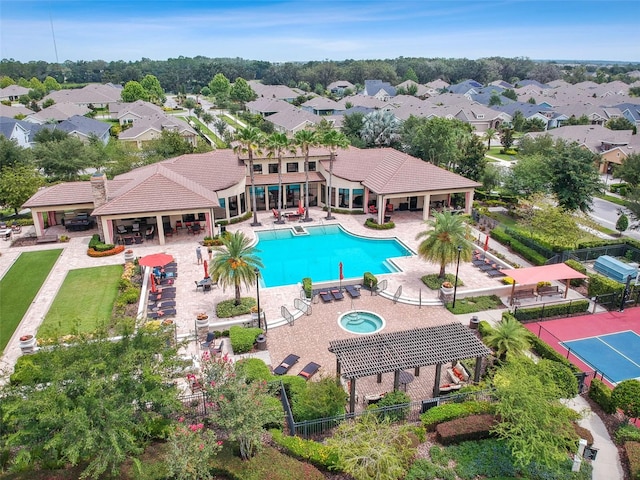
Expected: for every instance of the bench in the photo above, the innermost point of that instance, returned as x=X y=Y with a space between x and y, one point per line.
x=520 y=294
x=550 y=290
x=47 y=239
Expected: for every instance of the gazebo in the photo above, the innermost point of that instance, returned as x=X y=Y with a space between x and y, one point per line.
x=380 y=353
x=545 y=273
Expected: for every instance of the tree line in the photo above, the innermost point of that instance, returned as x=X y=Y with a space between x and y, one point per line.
x=190 y=75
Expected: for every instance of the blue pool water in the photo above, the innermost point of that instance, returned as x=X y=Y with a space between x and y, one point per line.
x=361 y=321
x=288 y=258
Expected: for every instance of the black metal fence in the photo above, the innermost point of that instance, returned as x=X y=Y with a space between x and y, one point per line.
x=547 y=310
x=589 y=254
x=614 y=301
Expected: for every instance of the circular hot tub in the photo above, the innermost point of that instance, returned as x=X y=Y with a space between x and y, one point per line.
x=361 y=322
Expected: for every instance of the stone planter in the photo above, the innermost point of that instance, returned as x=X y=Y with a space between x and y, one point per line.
x=446 y=290
x=202 y=321
x=28 y=343
x=128 y=256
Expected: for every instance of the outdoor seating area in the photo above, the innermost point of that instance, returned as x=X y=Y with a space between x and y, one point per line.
x=549 y=290
x=309 y=370
x=484 y=264
x=518 y=295
x=286 y=364
x=161 y=301
x=332 y=293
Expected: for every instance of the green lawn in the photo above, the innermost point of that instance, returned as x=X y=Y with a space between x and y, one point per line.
x=19 y=287
x=206 y=131
x=495 y=152
x=84 y=302
x=229 y=119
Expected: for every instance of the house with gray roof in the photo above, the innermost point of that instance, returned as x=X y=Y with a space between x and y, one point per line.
x=338 y=87
x=280 y=92
x=96 y=95
x=630 y=111
x=291 y=120
x=84 y=128
x=321 y=106
x=15 y=130
x=365 y=101
x=379 y=89
x=422 y=91
x=12 y=93
x=13 y=111
x=266 y=106
x=528 y=110
x=130 y=112
x=468 y=87
x=57 y=113
x=213 y=186
x=150 y=128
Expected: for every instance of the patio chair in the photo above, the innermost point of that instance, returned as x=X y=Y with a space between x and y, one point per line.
x=138 y=238
x=150 y=233
x=211 y=336
x=217 y=350
x=135 y=227
x=122 y=230
x=128 y=240
x=337 y=294
x=326 y=296
x=15 y=228
x=495 y=273
x=352 y=291
x=309 y=370
x=286 y=364
x=373 y=209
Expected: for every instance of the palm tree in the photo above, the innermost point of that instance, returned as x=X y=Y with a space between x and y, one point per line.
x=441 y=241
x=333 y=140
x=508 y=338
x=305 y=139
x=488 y=136
x=249 y=142
x=276 y=144
x=235 y=262
x=380 y=129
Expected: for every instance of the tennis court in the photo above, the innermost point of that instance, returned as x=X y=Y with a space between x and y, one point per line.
x=606 y=344
x=615 y=355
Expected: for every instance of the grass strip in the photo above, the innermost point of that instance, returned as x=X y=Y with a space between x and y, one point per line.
x=84 y=302
x=19 y=287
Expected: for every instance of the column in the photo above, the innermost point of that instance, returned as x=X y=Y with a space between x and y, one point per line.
x=468 y=202
x=160 y=228
x=426 y=209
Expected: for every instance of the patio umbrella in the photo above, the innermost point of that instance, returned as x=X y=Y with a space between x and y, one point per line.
x=486 y=244
x=152 y=279
x=206 y=269
x=341 y=274
x=155 y=260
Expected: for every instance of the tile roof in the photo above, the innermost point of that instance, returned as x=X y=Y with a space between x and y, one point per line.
x=58 y=112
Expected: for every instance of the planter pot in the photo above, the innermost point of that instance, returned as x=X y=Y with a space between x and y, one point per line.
x=27 y=343
x=254 y=315
x=128 y=256
x=447 y=290
x=202 y=322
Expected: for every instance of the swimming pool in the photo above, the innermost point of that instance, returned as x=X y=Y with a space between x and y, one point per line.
x=317 y=254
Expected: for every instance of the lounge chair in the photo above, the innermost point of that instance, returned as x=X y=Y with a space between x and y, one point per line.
x=495 y=273
x=167 y=312
x=486 y=268
x=211 y=336
x=352 y=291
x=122 y=230
x=309 y=370
x=326 y=296
x=162 y=296
x=217 y=350
x=286 y=364
x=337 y=294
x=373 y=209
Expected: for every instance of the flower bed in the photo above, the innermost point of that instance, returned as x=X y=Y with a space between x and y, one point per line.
x=107 y=253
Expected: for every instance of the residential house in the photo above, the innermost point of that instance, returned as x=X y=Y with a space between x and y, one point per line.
x=150 y=128
x=92 y=95
x=13 y=111
x=280 y=92
x=12 y=93
x=613 y=146
x=130 y=112
x=266 y=106
x=422 y=91
x=339 y=87
x=528 y=110
x=379 y=89
x=215 y=186
x=85 y=128
x=15 y=130
x=321 y=106
x=468 y=87
x=57 y=113
x=293 y=119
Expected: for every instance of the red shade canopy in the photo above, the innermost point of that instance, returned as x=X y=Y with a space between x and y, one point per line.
x=545 y=273
x=155 y=260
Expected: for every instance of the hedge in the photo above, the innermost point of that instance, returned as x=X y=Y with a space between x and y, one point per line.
x=600 y=393
x=576 y=282
x=544 y=350
x=307 y=285
x=114 y=250
x=601 y=285
x=451 y=411
x=314 y=452
x=474 y=427
x=536 y=244
x=242 y=339
x=528 y=253
x=371 y=223
x=554 y=310
x=370 y=280
x=633 y=454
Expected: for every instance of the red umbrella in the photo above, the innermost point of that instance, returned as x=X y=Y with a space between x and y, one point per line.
x=486 y=244
x=206 y=269
x=341 y=274
x=155 y=260
x=152 y=279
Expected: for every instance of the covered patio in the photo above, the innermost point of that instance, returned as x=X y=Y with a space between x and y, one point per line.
x=376 y=354
x=544 y=273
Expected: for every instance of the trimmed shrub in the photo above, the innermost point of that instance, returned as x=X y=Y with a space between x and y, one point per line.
x=105 y=253
x=293 y=385
x=242 y=339
x=370 y=280
x=530 y=254
x=474 y=427
x=253 y=369
x=452 y=411
x=627 y=432
x=576 y=282
x=601 y=285
x=632 y=450
x=320 y=399
x=600 y=393
x=560 y=309
x=307 y=285
x=484 y=328
x=544 y=350
x=371 y=223
x=316 y=453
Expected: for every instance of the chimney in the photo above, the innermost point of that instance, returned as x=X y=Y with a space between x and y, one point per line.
x=99 y=192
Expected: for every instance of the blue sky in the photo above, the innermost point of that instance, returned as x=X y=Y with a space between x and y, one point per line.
x=279 y=31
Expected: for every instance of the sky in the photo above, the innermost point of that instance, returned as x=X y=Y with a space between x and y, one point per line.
x=305 y=30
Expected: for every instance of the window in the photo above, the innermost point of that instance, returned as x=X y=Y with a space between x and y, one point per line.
x=273 y=168
x=222 y=202
x=292 y=167
x=312 y=166
x=257 y=168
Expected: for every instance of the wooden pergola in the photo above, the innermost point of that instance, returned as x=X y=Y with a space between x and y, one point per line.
x=380 y=353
